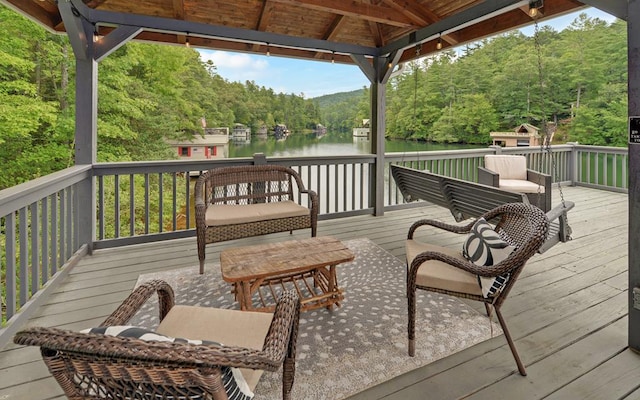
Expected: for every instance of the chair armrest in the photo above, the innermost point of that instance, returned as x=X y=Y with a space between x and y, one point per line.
x=313 y=196
x=440 y=225
x=138 y=297
x=560 y=209
x=488 y=177
x=540 y=179
x=282 y=336
x=545 y=181
x=313 y=202
x=200 y=189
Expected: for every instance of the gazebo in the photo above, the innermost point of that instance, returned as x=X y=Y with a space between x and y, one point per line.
x=375 y=35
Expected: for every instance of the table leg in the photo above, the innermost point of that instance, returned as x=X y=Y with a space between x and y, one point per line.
x=333 y=283
x=245 y=296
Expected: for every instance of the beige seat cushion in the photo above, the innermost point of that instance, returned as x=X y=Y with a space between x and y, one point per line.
x=508 y=166
x=440 y=275
x=229 y=327
x=225 y=214
x=520 y=186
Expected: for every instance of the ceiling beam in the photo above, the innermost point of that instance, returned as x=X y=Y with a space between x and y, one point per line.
x=265 y=16
x=40 y=13
x=617 y=8
x=483 y=10
x=266 y=11
x=355 y=9
x=245 y=36
x=178 y=9
x=392 y=60
x=365 y=66
x=332 y=31
x=79 y=30
x=114 y=40
x=376 y=32
x=94 y=3
x=422 y=15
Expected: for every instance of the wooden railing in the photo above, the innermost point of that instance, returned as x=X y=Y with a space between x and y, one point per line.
x=602 y=167
x=46 y=224
x=148 y=201
x=40 y=230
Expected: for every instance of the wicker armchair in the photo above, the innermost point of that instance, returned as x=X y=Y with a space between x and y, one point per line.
x=238 y=202
x=446 y=270
x=96 y=366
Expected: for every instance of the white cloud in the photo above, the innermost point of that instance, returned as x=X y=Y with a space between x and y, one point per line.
x=236 y=66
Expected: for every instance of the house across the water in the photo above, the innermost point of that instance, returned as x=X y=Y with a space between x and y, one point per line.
x=320 y=130
x=363 y=130
x=241 y=134
x=262 y=132
x=213 y=143
x=281 y=132
x=523 y=135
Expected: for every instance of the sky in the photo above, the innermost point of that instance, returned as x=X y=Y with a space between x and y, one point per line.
x=316 y=78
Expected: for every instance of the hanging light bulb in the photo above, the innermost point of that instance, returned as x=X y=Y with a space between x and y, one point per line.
x=333 y=57
x=268 y=51
x=96 y=34
x=534 y=7
x=439 y=44
x=186 y=40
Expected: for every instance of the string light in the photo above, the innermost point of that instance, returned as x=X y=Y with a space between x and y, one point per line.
x=534 y=7
x=439 y=44
x=268 y=51
x=333 y=57
x=96 y=34
x=186 y=40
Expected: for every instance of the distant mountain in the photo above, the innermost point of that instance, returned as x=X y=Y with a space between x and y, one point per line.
x=339 y=111
x=330 y=99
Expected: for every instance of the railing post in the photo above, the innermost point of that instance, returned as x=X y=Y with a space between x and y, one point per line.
x=86 y=217
x=496 y=149
x=259 y=159
x=573 y=163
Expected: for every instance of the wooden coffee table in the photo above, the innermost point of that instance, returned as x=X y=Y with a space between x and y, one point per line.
x=308 y=265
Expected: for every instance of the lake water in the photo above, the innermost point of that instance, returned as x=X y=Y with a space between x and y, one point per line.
x=331 y=144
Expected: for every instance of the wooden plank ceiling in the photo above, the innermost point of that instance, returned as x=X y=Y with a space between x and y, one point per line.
x=328 y=25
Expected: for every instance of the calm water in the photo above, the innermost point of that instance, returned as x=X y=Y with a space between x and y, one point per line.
x=330 y=144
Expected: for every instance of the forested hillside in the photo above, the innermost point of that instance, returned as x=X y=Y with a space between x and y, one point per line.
x=495 y=85
x=146 y=93
x=342 y=111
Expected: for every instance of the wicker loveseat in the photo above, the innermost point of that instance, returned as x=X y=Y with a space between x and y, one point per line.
x=100 y=366
x=238 y=202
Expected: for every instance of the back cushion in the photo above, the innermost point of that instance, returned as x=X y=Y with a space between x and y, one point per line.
x=508 y=166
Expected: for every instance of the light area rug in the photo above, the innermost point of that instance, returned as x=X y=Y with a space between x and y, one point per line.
x=358 y=345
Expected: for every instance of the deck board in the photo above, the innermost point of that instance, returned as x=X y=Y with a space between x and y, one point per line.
x=611 y=379
x=567 y=312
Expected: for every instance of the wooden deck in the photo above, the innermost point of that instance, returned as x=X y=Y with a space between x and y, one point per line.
x=567 y=313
